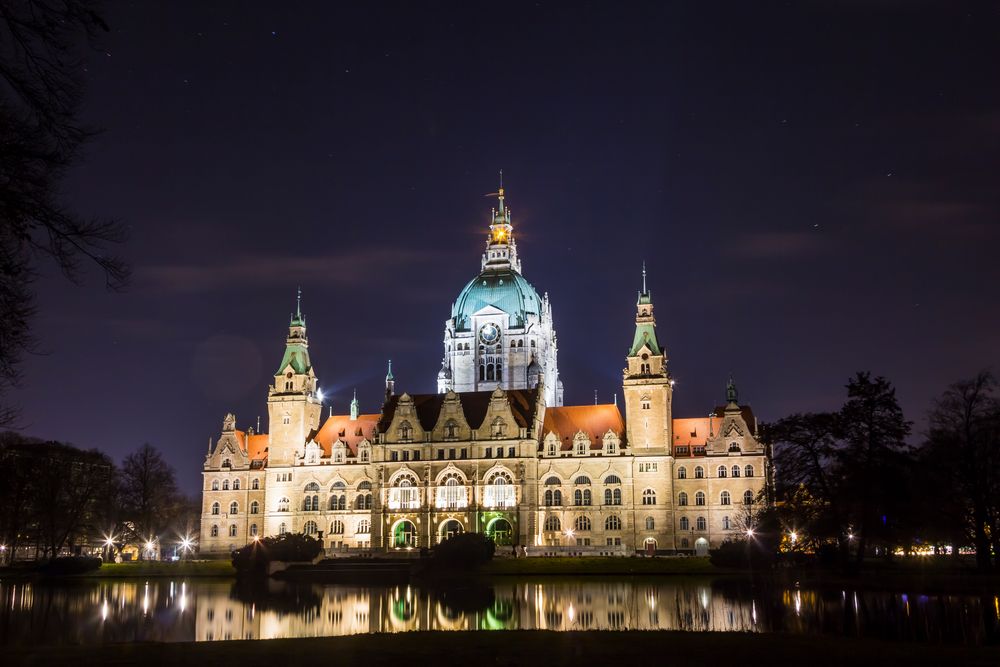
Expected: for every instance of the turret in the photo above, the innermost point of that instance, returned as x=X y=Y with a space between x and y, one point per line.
x=294 y=400
x=647 y=386
x=355 y=409
x=390 y=382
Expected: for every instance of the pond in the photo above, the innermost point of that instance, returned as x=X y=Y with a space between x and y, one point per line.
x=99 y=611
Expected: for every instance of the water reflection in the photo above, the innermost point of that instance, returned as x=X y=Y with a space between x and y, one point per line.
x=159 y=610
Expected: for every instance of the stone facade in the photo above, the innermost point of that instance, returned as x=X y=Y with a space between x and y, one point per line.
x=501 y=456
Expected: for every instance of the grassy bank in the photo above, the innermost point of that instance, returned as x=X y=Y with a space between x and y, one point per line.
x=520 y=649
x=599 y=566
x=185 y=568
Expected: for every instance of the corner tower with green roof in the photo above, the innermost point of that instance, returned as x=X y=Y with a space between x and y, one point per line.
x=646 y=383
x=293 y=401
x=500 y=333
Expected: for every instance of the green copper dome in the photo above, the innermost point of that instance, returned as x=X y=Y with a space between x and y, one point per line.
x=504 y=289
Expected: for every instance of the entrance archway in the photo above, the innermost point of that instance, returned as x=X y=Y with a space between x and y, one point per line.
x=650 y=546
x=500 y=531
x=701 y=547
x=404 y=535
x=450 y=528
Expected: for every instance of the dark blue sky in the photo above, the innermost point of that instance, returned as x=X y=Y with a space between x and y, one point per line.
x=813 y=186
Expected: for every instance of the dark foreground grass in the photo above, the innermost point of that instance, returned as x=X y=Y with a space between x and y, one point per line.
x=521 y=649
x=181 y=568
x=597 y=565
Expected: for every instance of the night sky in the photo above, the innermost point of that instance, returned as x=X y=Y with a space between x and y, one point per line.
x=814 y=187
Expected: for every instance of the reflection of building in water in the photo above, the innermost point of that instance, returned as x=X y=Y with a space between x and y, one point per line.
x=494 y=451
x=334 y=611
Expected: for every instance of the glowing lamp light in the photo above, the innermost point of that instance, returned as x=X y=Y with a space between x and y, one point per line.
x=149 y=546
x=319 y=395
x=569 y=533
x=850 y=536
x=794 y=536
x=109 y=541
x=255 y=538
x=749 y=532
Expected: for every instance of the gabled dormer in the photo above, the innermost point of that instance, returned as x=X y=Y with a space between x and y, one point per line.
x=451 y=423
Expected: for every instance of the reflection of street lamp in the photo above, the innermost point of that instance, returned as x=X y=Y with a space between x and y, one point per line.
x=3 y=552
x=794 y=536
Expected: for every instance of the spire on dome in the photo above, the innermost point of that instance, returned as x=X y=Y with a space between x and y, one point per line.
x=645 y=323
x=732 y=396
x=390 y=382
x=354 y=406
x=297 y=319
x=645 y=296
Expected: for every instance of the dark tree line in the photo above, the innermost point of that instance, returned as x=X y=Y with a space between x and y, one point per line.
x=42 y=45
x=849 y=479
x=56 y=498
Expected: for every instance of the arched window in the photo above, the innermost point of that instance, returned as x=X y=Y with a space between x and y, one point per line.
x=684 y=523
x=498 y=428
x=582 y=479
x=612 y=523
x=232 y=530
x=405 y=431
x=254 y=507
x=215 y=531
x=736 y=471
x=364 y=453
x=282 y=528
x=215 y=485
x=648 y=497
x=255 y=485
x=699 y=498
x=253 y=530
x=234 y=507
x=722 y=471
x=283 y=505
x=216 y=508
x=612 y=496
x=451 y=493
x=552 y=523
x=312 y=487
x=724 y=498
x=364 y=527
x=404 y=494
x=699 y=472
x=748 y=471
x=499 y=491
x=451 y=429
x=236 y=485
x=612 y=479
x=363 y=501
x=552 y=481
x=582 y=524
x=310 y=528
x=337 y=527
x=682 y=473
x=682 y=499
x=365 y=486
x=310 y=503
x=225 y=485
x=650 y=523
x=578 y=497
x=748 y=497
x=338 y=501
x=548 y=497
x=699 y=523
x=557 y=497
x=725 y=523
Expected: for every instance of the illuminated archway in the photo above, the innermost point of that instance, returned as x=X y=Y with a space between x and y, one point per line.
x=450 y=528
x=500 y=531
x=404 y=535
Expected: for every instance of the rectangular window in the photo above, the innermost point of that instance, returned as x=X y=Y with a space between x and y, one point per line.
x=464 y=453
x=394 y=456
x=510 y=452
x=406 y=455
x=451 y=453
x=416 y=455
x=440 y=455
x=489 y=452
x=610 y=542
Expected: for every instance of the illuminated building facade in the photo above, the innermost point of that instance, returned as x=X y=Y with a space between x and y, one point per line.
x=502 y=457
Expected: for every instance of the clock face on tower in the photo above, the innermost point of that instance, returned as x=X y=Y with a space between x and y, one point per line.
x=489 y=334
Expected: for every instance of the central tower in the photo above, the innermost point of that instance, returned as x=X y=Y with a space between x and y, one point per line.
x=500 y=332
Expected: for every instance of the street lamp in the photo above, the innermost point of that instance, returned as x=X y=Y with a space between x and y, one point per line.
x=794 y=536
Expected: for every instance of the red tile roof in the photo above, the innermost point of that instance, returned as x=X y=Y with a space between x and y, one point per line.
x=594 y=420
x=342 y=427
x=256 y=448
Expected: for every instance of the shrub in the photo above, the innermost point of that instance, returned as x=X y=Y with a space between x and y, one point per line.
x=464 y=551
x=737 y=554
x=290 y=547
x=71 y=565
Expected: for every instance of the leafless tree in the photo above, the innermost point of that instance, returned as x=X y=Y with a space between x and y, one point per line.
x=42 y=44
